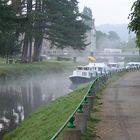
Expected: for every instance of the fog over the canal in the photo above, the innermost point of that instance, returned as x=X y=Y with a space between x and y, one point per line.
x=19 y=97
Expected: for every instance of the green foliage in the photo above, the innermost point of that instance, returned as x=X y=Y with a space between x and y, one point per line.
x=9 y=44
x=66 y=28
x=87 y=12
x=109 y=40
x=113 y=35
x=57 y=20
x=100 y=34
x=7 y=17
x=134 y=25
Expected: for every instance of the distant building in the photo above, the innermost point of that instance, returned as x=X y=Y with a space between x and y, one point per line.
x=107 y=50
x=91 y=37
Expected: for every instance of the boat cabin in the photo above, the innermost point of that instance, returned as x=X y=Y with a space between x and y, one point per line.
x=99 y=68
x=85 y=71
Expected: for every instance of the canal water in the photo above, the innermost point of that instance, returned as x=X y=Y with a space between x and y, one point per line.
x=21 y=96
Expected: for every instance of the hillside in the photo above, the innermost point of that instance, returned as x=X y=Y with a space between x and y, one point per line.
x=121 y=29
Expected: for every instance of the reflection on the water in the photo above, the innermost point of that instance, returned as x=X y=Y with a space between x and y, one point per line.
x=20 y=97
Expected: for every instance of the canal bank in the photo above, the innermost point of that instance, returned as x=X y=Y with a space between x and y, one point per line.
x=44 y=136
x=43 y=123
x=24 y=87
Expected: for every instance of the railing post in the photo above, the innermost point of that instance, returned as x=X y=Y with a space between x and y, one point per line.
x=94 y=92
x=90 y=100
x=86 y=109
x=71 y=133
x=80 y=119
x=98 y=84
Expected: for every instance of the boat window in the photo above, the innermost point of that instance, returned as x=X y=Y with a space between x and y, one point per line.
x=127 y=64
x=79 y=68
x=86 y=68
x=114 y=65
x=99 y=69
x=84 y=73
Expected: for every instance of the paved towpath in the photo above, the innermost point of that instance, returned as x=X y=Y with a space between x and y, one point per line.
x=120 y=113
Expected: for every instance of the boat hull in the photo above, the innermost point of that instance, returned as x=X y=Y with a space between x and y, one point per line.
x=79 y=79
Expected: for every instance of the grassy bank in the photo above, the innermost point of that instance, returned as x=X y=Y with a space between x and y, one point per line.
x=33 y=68
x=42 y=124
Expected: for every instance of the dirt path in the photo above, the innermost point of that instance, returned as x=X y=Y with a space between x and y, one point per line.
x=120 y=114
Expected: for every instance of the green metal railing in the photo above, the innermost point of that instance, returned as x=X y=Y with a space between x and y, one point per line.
x=69 y=122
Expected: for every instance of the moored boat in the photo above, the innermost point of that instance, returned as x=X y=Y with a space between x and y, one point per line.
x=82 y=74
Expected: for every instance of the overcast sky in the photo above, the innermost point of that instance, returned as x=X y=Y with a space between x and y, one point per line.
x=108 y=11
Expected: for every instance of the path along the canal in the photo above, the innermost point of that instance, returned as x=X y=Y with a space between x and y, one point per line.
x=120 y=113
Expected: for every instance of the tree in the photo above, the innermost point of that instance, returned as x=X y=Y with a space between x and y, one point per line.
x=134 y=24
x=9 y=44
x=87 y=12
x=110 y=40
x=7 y=17
x=113 y=35
x=57 y=20
x=66 y=28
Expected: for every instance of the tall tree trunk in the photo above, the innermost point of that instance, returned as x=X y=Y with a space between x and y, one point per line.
x=28 y=34
x=24 y=57
x=37 y=48
x=30 y=50
x=7 y=58
x=39 y=35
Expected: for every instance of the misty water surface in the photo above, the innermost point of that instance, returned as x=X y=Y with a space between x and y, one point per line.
x=20 y=97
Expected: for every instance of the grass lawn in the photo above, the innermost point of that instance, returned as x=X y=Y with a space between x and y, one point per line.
x=32 y=68
x=45 y=122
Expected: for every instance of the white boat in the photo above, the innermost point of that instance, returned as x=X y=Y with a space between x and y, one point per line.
x=99 y=68
x=82 y=74
x=113 y=67
x=132 y=65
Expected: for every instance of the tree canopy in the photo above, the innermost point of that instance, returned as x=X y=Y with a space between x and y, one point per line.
x=9 y=44
x=87 y=12
x=66 y=27
x=107 y=40
x=134 y=24
x=30 y=21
